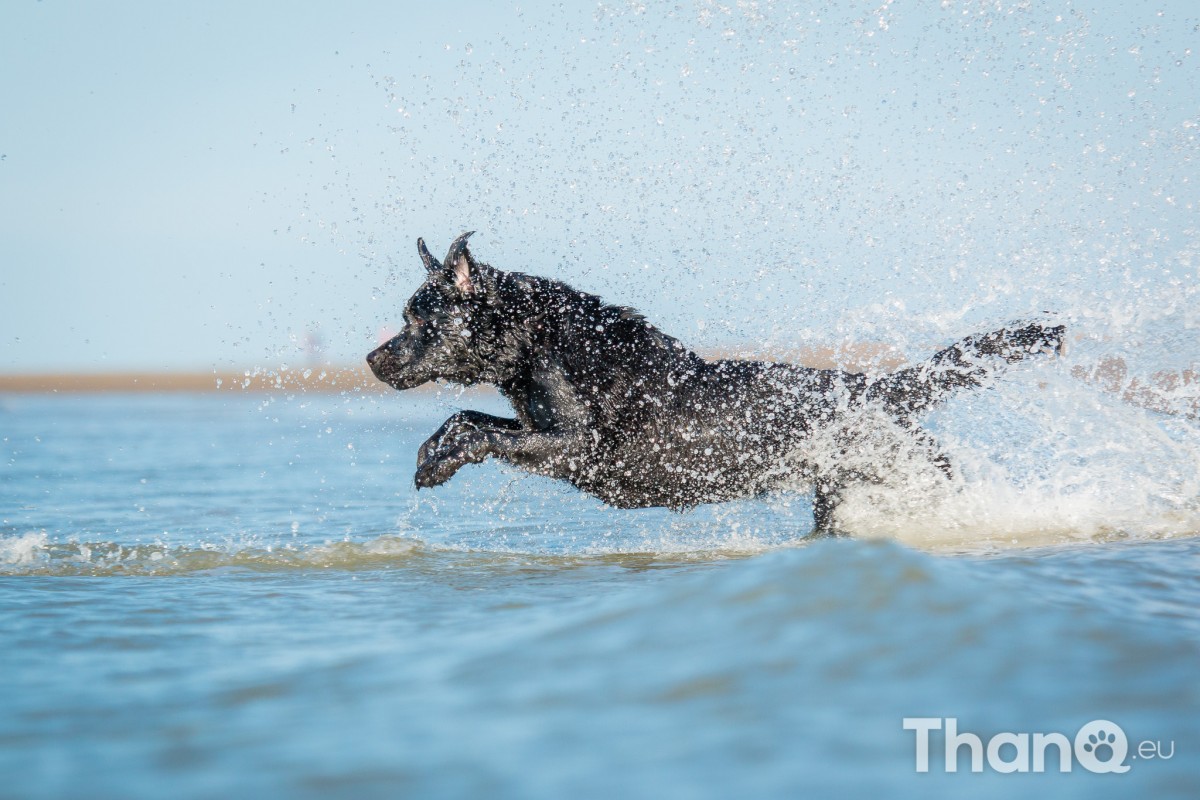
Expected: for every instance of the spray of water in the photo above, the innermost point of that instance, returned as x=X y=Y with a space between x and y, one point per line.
x=1050 y=453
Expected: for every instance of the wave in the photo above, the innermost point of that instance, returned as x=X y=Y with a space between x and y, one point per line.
x=36 y=553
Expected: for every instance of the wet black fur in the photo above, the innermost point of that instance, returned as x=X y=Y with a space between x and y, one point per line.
x=605 y=400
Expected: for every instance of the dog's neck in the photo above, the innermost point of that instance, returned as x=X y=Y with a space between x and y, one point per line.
x=556 y=342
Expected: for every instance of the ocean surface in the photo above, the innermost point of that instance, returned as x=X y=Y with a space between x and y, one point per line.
x=232 y=595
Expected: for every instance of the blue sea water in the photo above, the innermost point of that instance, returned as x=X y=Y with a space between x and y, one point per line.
x=241 y=595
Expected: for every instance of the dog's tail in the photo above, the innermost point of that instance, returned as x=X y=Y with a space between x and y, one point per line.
x=965 y=364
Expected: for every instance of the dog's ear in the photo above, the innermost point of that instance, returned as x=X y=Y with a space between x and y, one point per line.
x=461 y=267
x=427 y=258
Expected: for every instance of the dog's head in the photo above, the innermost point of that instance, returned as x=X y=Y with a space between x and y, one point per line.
x=444 y=321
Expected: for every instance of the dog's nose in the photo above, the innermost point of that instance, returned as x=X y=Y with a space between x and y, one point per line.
x=374 y=355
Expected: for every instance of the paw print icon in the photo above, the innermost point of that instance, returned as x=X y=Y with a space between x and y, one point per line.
x=1101 y=746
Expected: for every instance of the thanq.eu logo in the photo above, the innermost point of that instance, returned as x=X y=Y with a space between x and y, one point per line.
x=1099 y=746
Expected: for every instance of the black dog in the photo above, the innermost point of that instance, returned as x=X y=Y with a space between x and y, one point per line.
x=626 y=413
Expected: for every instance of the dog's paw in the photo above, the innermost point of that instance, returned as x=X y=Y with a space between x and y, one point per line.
x=444 y=437
x=434 y=472
x=447 y=456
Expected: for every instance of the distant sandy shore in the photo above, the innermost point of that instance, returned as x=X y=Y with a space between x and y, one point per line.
x=329 y=380
x=339 y=380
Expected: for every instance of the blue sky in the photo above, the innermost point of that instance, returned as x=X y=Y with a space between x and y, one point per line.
x=199 y=185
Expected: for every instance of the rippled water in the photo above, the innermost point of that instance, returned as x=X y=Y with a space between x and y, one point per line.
x=231 y=595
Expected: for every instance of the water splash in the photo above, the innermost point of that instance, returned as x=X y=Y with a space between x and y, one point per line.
x=1048 y=455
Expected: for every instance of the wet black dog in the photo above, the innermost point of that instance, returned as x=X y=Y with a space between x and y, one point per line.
x=623 y=411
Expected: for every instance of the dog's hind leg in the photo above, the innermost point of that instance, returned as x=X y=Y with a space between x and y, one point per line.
x=827 y=496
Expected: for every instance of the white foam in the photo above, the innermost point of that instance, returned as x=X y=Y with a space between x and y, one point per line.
x=1042 y=457
x=27 y=548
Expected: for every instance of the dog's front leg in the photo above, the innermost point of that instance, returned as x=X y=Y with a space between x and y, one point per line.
x=459 y=423
x=555 y=454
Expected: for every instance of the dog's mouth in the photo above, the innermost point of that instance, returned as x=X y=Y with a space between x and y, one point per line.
x=402 y=372
x=401 y=382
